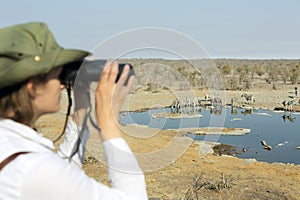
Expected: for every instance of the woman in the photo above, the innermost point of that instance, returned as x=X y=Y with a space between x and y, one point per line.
x=30 y=64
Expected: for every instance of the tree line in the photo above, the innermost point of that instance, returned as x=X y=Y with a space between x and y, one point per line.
x=232 y=74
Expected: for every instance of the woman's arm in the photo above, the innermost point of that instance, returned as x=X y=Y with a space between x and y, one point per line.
x=109 y=99
x=46 y=176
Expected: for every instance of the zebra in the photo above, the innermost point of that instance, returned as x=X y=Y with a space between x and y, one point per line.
x=206 y=97
x=174 y=104
x=188 y=102
x=248 y=98
x=288 y=104
x=216 y=101
x=196 y=102
x=216 y=106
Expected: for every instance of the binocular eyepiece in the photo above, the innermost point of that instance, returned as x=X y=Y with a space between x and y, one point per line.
x=88 y=70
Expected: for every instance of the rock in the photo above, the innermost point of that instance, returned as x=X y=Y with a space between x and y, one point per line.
x=268 y=147
x=236 y=119
x=224 y=149
x=263 y=114
x=280 y=144
x=227 y=156
x=205 y=148
x=264 y=143
x=250 y=161
x=209 y=161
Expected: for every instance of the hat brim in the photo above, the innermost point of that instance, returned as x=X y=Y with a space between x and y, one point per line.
x=68 y=56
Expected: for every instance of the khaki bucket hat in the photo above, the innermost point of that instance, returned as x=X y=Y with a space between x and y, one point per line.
x=30 y=49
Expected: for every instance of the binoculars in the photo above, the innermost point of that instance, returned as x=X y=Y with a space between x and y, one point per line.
x=88 y=70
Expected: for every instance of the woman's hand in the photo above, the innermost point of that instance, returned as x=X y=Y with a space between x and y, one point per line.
x=109 y=99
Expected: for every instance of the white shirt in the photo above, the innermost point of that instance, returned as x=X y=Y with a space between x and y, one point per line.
x=42 y=174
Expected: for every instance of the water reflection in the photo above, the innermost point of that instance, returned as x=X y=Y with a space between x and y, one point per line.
x=288 y=117
x=216 y=110
x=248 y=111
x=234 y=110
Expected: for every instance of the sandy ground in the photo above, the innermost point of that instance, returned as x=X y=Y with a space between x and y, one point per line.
x=175 y=167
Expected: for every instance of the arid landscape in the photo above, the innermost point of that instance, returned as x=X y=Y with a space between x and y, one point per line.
x=195 y=174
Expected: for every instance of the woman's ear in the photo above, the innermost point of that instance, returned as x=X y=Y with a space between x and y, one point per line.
x=30 y=88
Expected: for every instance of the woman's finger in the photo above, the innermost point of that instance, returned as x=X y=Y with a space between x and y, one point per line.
x=106 y=71
x=129 y=84
x=113 y=72
x=122 y=93
x=123 y=77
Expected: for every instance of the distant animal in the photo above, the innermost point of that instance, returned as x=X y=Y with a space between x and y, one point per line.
x=175 y=103
x=288 y=104
x=187 y=102
x=268 y=80
x=216 y=101
x=196 y=102
x=248 y=98
x=206 y=97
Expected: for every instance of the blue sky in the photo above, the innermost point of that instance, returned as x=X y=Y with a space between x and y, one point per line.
x=264 y=29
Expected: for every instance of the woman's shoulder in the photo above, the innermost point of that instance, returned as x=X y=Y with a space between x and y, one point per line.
x=16 y=137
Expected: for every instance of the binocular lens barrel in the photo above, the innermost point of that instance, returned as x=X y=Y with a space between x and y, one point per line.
x=86 y=70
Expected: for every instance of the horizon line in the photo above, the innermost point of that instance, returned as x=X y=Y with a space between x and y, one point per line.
x=214 y=58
